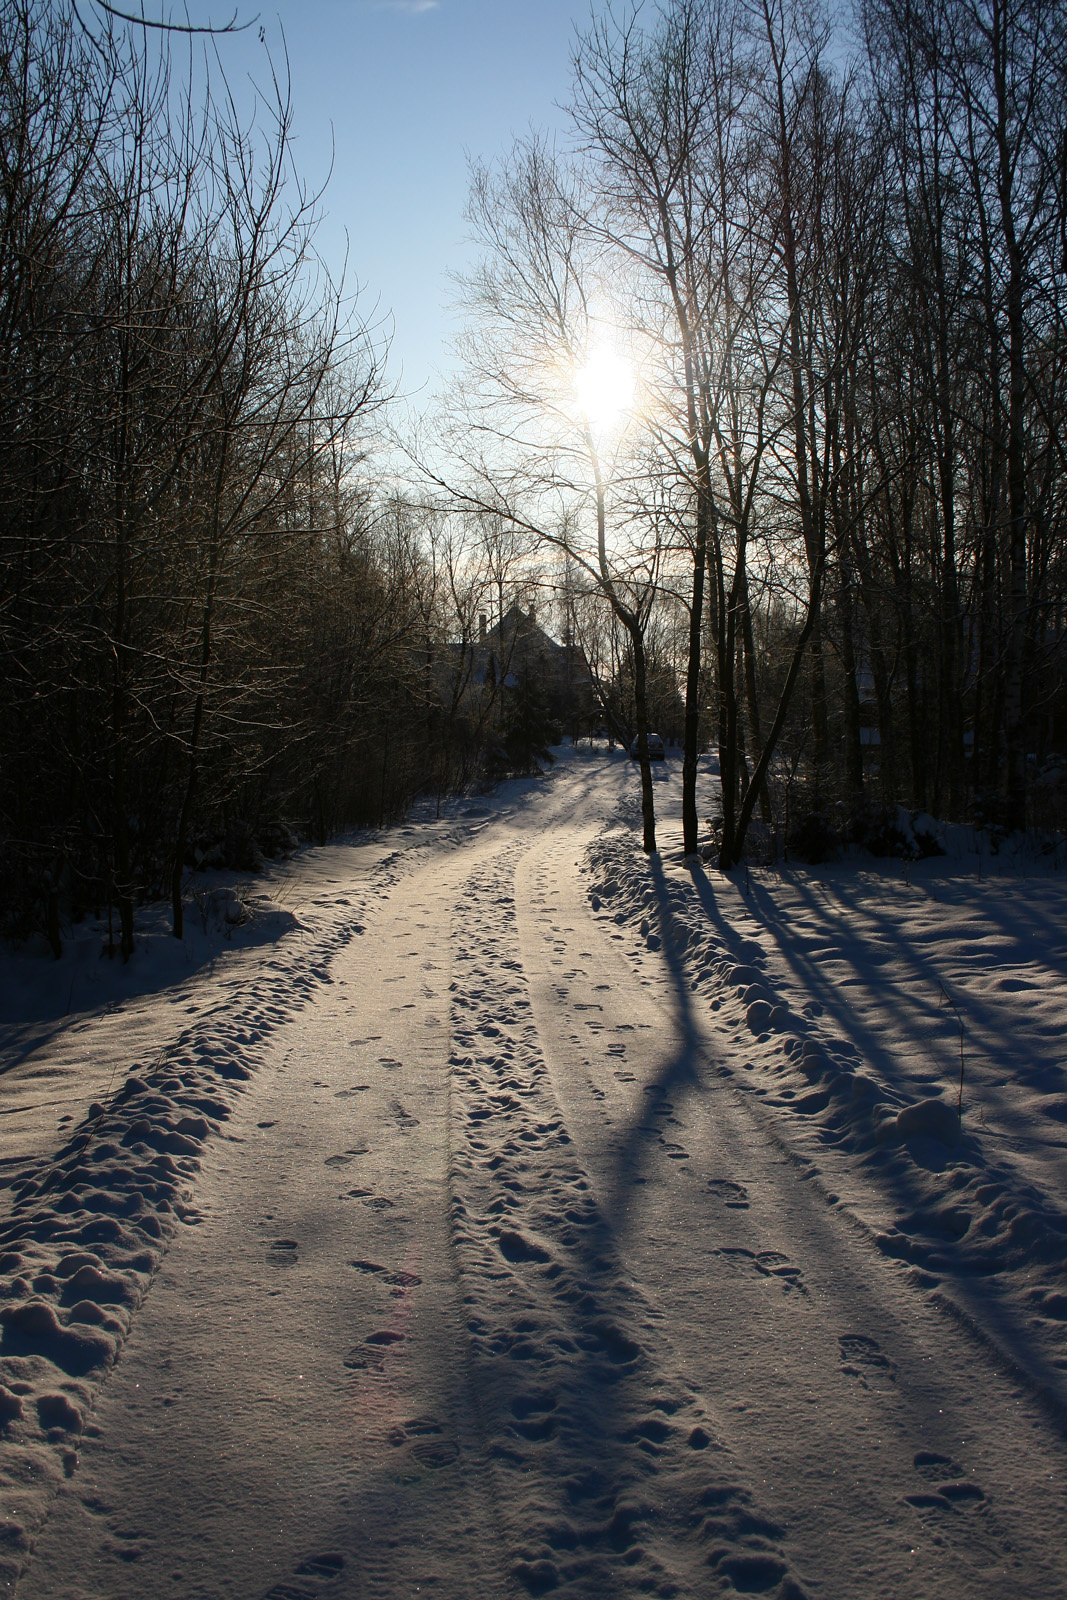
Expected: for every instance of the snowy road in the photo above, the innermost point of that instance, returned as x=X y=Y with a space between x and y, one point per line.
x=498 y=1284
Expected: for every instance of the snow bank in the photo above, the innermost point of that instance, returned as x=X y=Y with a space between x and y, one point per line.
x=88 y=1228
x=976 y=1206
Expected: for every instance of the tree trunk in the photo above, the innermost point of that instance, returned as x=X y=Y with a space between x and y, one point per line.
x=691 y=745
x=755 y=737
x=648 y=803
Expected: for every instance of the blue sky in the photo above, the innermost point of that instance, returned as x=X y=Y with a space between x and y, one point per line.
x=405 y=88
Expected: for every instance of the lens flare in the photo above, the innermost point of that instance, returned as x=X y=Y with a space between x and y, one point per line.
x=605 y=388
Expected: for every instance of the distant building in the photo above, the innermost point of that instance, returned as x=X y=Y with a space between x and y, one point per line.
x=518 y=654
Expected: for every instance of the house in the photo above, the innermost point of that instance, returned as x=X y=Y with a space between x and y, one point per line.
x=517 y=653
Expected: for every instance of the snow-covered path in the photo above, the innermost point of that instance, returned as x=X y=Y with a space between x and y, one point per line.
x=497 y=1283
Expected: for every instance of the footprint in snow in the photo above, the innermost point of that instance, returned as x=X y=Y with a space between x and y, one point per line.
x=360 y=1360
x=951 y=1488
x=675 y=1152
x=515 y=1247
x=322 y=1566
x=434 y=1453
x=413 y=1428
x=402 y=1117
x=346 y=1094
x=421 y=1434
x=957 y=1510
x=864 y=1359
x=734 y=1196
x=283 y=1252
x=605 y=1340
x=930 y=1464
x=533 y=1415
x=400 y=1280
x=325 y=1567
x=768 y=1264
x=346 y=1158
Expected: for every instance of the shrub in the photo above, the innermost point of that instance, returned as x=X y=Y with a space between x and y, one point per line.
x=892 y=831
x=813 y=838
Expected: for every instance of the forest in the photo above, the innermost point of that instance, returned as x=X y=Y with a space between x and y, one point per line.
x=761 y=402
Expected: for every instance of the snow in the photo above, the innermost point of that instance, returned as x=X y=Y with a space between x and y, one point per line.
x=481 y=1207
x=852 y=989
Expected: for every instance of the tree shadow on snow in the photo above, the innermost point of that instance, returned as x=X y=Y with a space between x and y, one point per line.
x=931 y=1219
x=678 y=1073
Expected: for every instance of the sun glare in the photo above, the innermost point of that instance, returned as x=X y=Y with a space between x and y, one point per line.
x=605 y=388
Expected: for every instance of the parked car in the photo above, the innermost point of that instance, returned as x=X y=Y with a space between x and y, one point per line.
x=656 y=752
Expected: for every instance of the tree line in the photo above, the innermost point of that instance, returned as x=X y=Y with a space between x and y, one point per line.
x=218 y=632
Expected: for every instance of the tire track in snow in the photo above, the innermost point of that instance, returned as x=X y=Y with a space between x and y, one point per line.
x=608 y=1475
x=850 y=1526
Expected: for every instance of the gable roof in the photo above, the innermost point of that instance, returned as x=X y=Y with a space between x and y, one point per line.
x=520 y=631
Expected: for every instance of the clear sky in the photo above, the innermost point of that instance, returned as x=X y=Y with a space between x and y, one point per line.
x=405 y=88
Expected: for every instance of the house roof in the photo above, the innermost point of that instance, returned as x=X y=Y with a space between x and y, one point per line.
x=521 y=630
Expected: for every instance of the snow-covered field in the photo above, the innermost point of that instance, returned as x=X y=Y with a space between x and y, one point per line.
x=484 y=1209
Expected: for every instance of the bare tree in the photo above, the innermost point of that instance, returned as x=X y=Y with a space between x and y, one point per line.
x=528 y=446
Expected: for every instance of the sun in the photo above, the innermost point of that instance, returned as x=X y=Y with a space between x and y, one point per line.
x=605 y=388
